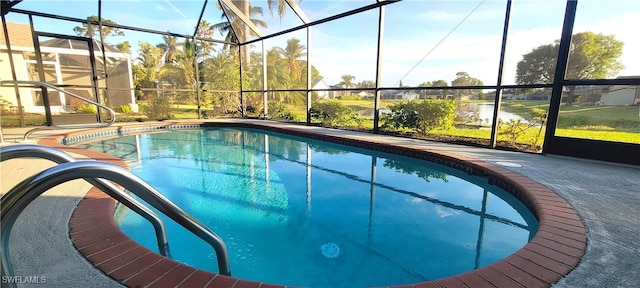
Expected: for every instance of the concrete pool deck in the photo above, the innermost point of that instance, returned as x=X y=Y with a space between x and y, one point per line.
x=605 y=196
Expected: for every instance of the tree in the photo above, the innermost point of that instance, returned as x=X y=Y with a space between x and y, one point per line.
x=366 y=84
x=591 y=56
x=347 y=81
x=463 y=79
x=170 y=47
x=291 y=54
x=205 y=30
x=91 y=30
x=125 y=47
x=441 y=83
x=277 y=76
x=237 y=31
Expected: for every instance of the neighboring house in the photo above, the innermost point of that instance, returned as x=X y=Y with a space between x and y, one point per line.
x=363 y=94
x=400 y=94
x=337 y=92
x=621 y=95
x=65 y=62
x=319 y=84
x=538 y=95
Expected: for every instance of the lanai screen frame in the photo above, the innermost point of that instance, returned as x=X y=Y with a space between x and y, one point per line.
x=584 y=148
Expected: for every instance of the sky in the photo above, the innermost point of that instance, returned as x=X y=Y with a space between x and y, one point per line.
x=423 y=40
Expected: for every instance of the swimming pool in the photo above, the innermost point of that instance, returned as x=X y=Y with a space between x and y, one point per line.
x=393 y=218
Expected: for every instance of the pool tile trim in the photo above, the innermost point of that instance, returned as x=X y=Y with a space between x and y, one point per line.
x=552 y=253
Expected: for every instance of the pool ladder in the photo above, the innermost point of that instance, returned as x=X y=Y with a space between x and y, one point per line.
x=68 y=168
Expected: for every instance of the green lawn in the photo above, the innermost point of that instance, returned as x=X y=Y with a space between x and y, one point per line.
x=610 y=123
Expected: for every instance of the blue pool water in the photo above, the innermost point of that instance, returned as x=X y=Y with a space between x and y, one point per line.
x=302 y=212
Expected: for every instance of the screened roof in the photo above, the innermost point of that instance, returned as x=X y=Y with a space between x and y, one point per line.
x=418 y=43
x=181 y=17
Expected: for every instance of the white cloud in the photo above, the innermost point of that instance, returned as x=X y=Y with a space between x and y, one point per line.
x=446 y=212
x=176 y=9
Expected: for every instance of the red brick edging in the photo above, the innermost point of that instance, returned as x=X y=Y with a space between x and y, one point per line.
x=552 y=253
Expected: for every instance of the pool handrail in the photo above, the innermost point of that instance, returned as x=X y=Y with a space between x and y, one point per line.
x=57 y=156
x=32 y=187
x=54 y=87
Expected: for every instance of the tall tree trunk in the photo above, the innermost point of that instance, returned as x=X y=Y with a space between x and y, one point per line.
x=244 y=50
x=572 y=95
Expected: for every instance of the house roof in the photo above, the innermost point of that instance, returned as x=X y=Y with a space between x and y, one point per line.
x=69 y=44
x=20 y=35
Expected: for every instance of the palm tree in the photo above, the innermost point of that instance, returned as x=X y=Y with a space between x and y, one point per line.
x=291 y=54
x=149 y=58
x=170 y=47
x=236 y=30
x=347 y=81
x=205 y=30
x=125 y=47
x=277 y=78
x=182 y=73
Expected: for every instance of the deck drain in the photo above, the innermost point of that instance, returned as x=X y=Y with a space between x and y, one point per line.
x=330 y=250
x=508 y=164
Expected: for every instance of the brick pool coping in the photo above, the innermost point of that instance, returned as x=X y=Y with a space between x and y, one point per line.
x=552 y=253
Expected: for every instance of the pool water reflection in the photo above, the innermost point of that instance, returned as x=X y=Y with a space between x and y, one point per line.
x=283 y=203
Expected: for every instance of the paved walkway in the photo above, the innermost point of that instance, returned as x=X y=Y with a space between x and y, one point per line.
x=606 y=196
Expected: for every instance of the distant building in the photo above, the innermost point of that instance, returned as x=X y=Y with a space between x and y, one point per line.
x=399 y=94
x=616 y=95
x=319 y=84
x=538 y=95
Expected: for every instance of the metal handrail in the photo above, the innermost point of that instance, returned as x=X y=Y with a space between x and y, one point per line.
x=57 y=156
x=54 y=127
x=35 y=185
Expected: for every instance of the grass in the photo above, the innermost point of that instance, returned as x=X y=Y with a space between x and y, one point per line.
x=605 y=118
x=616 y=136
x=609 y=123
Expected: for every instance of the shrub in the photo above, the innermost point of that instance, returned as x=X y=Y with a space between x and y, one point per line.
x=158 y=107
x=125 y=108
x=423 y=116
x=4 y=104
x=512 y=129
x=333 y=113
x=350 y=97
x=88 y=109
x=278 y=110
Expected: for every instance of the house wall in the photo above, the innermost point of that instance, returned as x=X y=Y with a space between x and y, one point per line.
x=619 y=97
x=9 y=93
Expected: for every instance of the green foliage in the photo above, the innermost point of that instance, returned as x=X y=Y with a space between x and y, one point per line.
x=125 y=108
x=4 y=104
x=333 y=113
x=93 y=31
x=278 y=110
x=347 y=81
x=593 y=56
x=515 y=129
x=88 y=109
x=463 y=79
x=512 y=129
x=423 y=116
x=158 y=107
x=350 y=97
x=420 y=171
